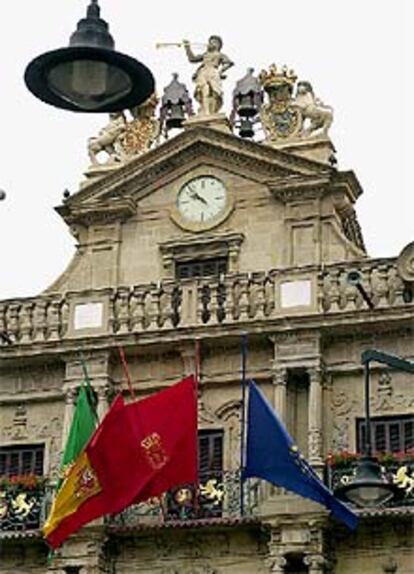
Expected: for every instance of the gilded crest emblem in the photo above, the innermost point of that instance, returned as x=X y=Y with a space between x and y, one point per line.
x=154 y=451
x=287 y=116
x=87 y=482
x=280 y=118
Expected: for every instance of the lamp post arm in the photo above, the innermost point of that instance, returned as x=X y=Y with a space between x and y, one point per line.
x=368 y=439
x=390 y=360
x=365 y=296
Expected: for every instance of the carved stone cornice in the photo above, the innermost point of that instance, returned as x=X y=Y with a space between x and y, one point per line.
x=344 y=184
x=297 y=188
x=119 y=209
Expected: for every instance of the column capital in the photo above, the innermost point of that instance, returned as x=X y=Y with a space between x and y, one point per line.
x=279 y=374
x=187 y=353
x=70 y=393
x=390 y=566
x=276 y=564
x=316 y=563
x=315 y=373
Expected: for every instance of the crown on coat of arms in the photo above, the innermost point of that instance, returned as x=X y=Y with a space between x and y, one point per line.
x=277 y=76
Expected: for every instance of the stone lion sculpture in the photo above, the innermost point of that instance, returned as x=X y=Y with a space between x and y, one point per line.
x=319 y=116
x=107 y=138
x=121 y=139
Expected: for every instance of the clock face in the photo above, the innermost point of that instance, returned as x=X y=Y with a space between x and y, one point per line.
x=202 y=199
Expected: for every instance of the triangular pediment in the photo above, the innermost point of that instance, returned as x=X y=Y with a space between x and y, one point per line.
x=119 y=191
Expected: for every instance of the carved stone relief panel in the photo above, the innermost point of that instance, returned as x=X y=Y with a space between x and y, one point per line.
x=229 y=414
x=345 y=407
x=152 y=369
x=390 y=398
x=22 y=558
x=28 y=423
x=347 y=403
x=178 y=552
x=31 y=379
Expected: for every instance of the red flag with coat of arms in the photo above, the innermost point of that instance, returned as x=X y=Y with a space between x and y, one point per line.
x=139 y=451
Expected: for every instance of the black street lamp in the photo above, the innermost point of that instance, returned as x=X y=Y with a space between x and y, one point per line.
x=89 y=75
x=369 y=489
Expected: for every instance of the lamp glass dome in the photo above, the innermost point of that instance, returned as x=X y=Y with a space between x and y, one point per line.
x=369 y=495
x=89 y=75
x=89 y=83
x=368 y=489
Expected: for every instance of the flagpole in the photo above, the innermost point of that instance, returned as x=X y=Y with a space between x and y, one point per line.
x=242 y=417
x=92 y=396
x=197 y=370
x=126 y=371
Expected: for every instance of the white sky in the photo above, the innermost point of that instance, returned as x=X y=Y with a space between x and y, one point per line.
x=356 y=53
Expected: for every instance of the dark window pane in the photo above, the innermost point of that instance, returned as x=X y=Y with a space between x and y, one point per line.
x=18 y=460
x=408 y=435
x=27 y=462
x=38 y=465
x=202 y=268
x=13 y=466
x=210 y=453
x=389 y=434
x=394 y=437
x=2 y=464
x=379 y=440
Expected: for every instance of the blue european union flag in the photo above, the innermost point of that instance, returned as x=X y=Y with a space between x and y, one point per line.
x=272 y=455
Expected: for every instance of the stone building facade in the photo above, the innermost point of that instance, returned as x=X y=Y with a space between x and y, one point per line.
x=270 y=259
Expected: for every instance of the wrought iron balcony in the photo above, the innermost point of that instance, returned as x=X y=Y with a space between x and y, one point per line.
x=216 y=497
x=22 y=503
x=399 y=472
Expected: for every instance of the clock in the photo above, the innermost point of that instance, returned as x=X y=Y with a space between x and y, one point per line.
x=202 y=199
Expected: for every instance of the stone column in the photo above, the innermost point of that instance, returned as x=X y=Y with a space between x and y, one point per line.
x=275 y=559
x=280 y=377
x=70 y=395
x=97 y=366
x=315 y=419
x=187 y=353
x=316 y=563
x=102 y=406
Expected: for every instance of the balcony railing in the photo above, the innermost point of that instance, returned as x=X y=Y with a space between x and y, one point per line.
x=22 y=507
x=216 y=497
x=230 y=299
x=399 y=473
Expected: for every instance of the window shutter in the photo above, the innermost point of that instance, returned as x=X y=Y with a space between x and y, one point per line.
x=210 y=453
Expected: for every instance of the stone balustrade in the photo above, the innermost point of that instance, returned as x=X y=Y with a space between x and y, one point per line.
x=380 y=279
x=230 y=299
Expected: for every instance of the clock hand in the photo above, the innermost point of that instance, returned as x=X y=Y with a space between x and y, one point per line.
x=195 y=195
x=200 y=198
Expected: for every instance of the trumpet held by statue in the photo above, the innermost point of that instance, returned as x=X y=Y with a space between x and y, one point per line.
x=159 y=45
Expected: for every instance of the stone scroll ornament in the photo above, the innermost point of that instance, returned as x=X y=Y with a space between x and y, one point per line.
x=291 y=116
x=405 y=263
